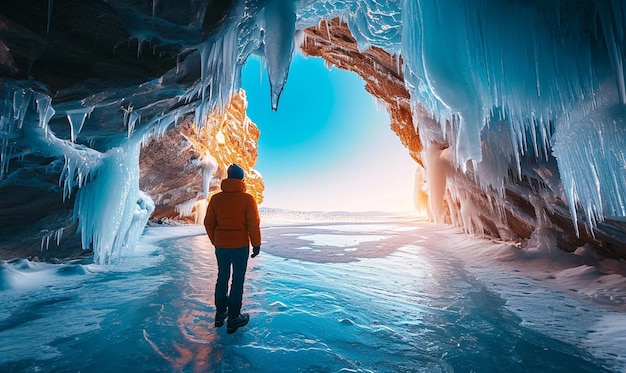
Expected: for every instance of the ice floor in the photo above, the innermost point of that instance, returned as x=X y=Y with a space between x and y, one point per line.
x=391 y=295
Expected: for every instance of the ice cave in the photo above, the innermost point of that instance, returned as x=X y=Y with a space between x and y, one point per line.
x=116 y=112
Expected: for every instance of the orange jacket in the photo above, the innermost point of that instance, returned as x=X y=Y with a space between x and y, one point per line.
x=232 y=217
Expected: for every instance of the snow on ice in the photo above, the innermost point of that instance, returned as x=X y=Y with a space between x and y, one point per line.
x=444 y=302
x=502 y=80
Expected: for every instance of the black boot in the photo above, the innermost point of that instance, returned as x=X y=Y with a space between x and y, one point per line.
x=237 y=322
x=220 y=317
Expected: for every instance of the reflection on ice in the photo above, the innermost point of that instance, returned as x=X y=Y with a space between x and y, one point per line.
x=426 y=306
x=339 y=240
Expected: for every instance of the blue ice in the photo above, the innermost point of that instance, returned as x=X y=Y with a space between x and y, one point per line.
x=409 y=309
x=501 y=80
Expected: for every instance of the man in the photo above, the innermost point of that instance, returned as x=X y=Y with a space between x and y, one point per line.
x=232 y=223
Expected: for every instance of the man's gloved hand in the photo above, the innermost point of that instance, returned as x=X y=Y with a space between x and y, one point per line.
x=255 y=251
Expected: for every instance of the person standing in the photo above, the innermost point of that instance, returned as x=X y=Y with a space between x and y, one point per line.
x=232 y=223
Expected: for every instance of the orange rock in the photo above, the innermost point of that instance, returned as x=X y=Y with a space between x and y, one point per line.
x=171 y=166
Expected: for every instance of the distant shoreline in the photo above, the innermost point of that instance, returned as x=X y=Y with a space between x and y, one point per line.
x=276 y=215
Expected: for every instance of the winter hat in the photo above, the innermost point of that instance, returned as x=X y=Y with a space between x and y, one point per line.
x=235 y=172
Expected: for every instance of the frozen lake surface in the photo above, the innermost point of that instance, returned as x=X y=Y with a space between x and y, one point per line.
x=340 y=295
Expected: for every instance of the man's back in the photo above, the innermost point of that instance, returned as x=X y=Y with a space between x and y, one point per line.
x=232 y=223
x=232 y=218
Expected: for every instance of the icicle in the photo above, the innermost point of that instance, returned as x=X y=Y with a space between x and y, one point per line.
x=280 y=20
x=21 y=100
x=133 y=118
x=298 y=39
x=380 y=104
x=110 y=209
x=58 y=234
x=7 y=123
x=614 y=38
x=77 y=119
x=50 y=3
x=218 y=70
x=199 y=118
x=45 y=242
x=127 y=111
x=398 y=60
x=209 y=166
x=328 y=34
x=139 y=46
x=67 y=177
x=185 y=208
x=591 y=157
x=45 y=239
x=46 y=111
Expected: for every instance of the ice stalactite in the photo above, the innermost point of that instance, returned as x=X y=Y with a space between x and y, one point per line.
x=21 y=100
x=209 y=166
x=197 y=207
x=591 y=154
x=512 y=96
x=504 y=97
x=79 y=160
x=612 y=16
x=218 y=74
x=451 y=82
x=50 y=5
x=45 y=110
x=131 y=118
x=77 y=119
x=56 y=235
x=279 y=22
x=110 y=209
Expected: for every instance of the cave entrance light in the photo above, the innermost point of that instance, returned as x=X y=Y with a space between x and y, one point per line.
x=328 y=147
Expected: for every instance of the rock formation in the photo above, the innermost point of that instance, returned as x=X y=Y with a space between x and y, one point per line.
x=172 y=166
x=520 y=213
x=381 y=72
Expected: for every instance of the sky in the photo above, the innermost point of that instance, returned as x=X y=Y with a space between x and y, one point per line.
x=327 y=147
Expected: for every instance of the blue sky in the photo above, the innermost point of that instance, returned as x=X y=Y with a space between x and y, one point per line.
x=327 y=148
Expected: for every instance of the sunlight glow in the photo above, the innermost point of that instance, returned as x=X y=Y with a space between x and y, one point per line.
x=331 y=152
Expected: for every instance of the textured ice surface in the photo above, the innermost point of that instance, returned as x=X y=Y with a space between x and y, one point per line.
x=410 y=309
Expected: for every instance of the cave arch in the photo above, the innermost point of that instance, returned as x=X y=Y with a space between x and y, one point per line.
x=74 y=67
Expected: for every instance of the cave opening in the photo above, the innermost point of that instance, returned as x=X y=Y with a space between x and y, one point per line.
x=329 y=146
x=496 y=204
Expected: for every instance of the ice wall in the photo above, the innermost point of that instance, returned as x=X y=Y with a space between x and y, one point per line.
x=508 y=83
x=512 y=80
x=506 y=87
x=110 y=209
x=591 y=151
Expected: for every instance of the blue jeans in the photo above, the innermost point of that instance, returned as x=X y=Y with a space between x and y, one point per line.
x=237 y=259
